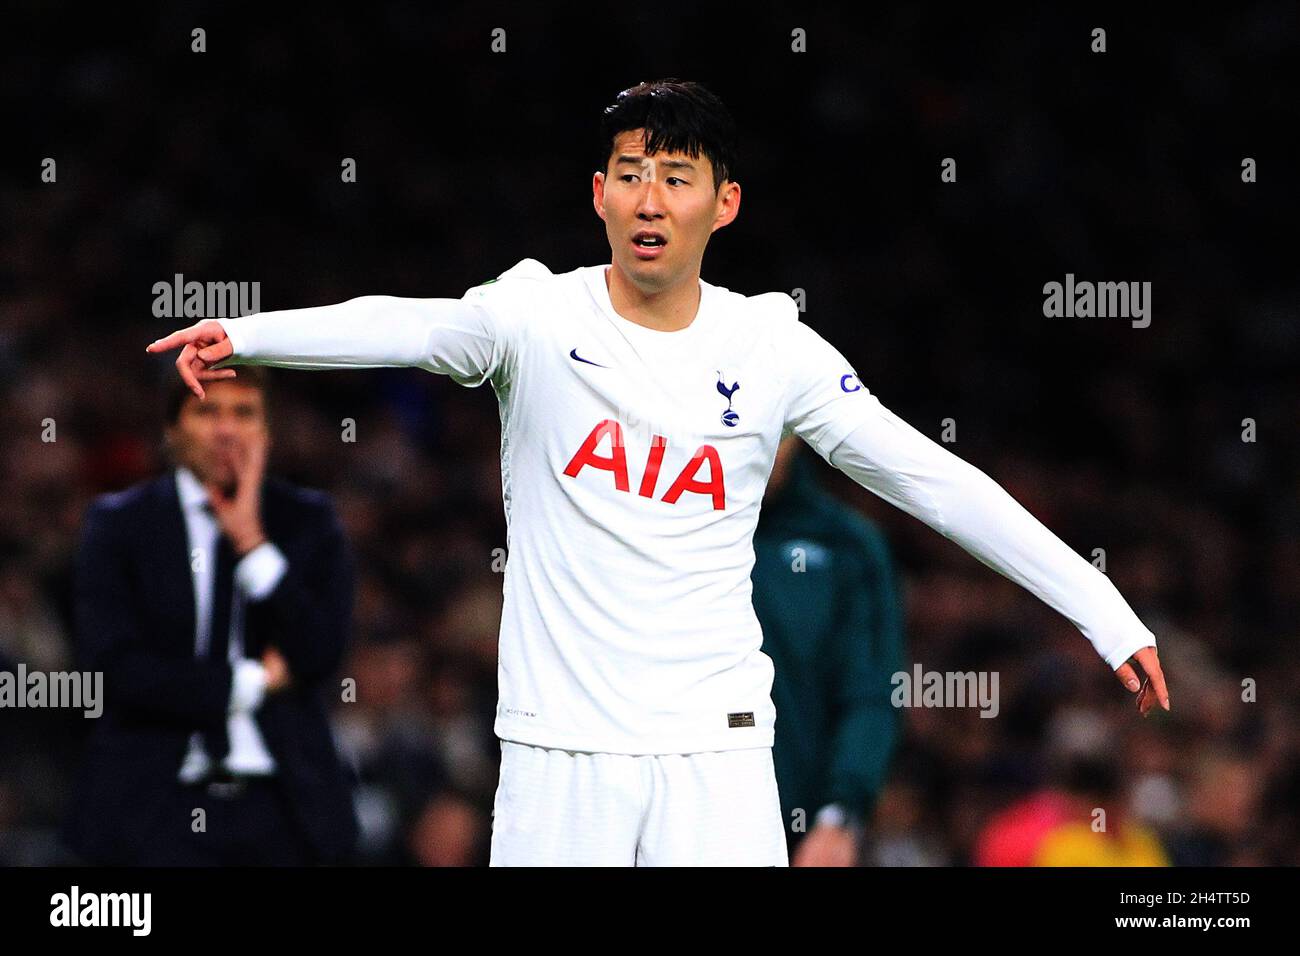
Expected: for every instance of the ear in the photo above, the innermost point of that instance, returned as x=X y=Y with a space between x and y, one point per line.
x=598 y=194
x=729 y=204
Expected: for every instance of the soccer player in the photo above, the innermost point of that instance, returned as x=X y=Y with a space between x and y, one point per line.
x=641 y=409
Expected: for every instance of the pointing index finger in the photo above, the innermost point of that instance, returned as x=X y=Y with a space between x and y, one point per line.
x=169 y=342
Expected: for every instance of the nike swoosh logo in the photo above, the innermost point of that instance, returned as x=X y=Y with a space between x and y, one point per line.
x=578 y=358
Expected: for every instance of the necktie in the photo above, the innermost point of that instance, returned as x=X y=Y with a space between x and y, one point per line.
x=216 y=741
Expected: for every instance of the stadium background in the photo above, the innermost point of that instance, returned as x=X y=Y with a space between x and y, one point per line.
x=1122 y=166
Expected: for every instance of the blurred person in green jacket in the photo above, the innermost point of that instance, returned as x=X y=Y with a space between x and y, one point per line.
x=831 y=612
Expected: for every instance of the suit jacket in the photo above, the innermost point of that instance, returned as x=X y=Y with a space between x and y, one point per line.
x=135 y=621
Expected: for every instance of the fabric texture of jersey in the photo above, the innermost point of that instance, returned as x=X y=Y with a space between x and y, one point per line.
x=633 y=466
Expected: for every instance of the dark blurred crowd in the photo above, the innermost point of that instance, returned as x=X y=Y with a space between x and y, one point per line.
x=1124 y=166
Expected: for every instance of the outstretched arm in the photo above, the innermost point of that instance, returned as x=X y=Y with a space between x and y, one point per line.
x=853 y=431
x=457 y=337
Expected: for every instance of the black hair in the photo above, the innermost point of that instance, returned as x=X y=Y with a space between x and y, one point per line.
x=176 y=392
x=679 y=116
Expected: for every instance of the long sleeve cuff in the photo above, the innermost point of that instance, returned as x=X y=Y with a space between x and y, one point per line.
x=259 y=571
x=248 y=688
x=235 y=331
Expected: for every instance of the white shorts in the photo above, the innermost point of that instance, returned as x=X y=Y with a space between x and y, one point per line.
x=570 y=808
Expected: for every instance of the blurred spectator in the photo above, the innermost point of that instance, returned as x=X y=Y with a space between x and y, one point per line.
x=450 y=832
x=1098 y=829
x=1084 y=821
x=217 y=603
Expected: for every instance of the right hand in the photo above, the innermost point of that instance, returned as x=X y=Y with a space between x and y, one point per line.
x=205 y=344
x=277 y=670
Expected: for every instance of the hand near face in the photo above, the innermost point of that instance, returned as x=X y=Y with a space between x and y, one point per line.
x=239 y=511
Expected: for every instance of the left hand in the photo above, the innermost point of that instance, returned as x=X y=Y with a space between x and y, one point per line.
x=826 y=845
x=1150 y=690
x=240 y=515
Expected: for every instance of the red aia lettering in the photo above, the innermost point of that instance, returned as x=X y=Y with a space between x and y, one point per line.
x=651 y=477
x=686 y=480
x=616 y=462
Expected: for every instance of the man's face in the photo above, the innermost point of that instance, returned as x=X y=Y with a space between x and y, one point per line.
x=205 y=430
x=670 y=194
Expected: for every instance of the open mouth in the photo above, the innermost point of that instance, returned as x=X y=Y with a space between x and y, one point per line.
x=648 y=244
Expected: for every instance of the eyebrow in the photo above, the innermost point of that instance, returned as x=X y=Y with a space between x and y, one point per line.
x=670 y=163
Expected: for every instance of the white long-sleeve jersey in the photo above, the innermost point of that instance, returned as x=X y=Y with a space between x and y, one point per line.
x=633 y=465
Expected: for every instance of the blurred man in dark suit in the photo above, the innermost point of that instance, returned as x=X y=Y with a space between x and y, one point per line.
x=217 y=602
x=825 y=593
